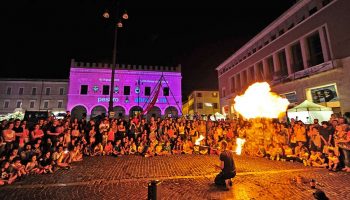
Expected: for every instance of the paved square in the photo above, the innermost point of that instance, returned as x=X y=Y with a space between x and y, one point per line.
x=181 y=176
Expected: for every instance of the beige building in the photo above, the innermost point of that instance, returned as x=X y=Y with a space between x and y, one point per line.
x=201 y=102
x=303 y=54
x=33 y=95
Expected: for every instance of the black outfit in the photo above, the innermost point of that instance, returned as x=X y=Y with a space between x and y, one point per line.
x=229 y=170
x=326 y=133
x=17 y=130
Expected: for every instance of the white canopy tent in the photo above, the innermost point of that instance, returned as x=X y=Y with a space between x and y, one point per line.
x=307 y=111
x=217 y=116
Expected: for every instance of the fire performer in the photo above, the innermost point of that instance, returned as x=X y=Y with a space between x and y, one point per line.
x=228 y=168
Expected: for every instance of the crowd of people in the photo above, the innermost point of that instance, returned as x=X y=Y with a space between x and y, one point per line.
x=53 y=144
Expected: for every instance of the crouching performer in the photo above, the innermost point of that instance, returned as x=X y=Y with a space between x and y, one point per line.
x=227 y=166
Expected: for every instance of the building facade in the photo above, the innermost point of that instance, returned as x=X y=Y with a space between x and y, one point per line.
x=33 y=95
x=303 y=54
x=134 y=87
x=202 y=103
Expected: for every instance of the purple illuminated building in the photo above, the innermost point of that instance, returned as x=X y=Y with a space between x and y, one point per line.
x=134 y=86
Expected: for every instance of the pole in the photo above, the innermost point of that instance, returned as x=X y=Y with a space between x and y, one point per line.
x=110 y=106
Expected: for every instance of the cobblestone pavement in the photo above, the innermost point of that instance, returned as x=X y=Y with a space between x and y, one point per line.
x=181 y=176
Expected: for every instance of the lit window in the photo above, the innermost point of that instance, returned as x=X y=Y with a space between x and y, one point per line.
x=19 y=104
x=47 y=91
x=105 y=90
x=20 y=92
x=59 y=105
x=6 y=104
x=61 y=91
x=8 y=91
x=83 y=89
x=32 y=104
x=33 y=91
x=126 y=90
x=46 y=104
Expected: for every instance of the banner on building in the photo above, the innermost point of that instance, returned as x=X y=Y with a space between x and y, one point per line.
x=324 y=94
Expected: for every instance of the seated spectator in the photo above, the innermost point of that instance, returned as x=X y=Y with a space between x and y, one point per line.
x=214 y=147
x=159 y=149
x=117 y=150
x=60 y=158
x=108 y=150
x=27 y=153
x=288 y=153
x=151 y=150
x=178 y=146
x=6 y=175
x=333 y=161
x=33 y=167
x=45 y=163
x=88 y=150
x=98 y=150
x=166 y=148
x=188 y=147
x=141 y=148
x=133 y=147
x=75 y=154
x=316 y=159
x=260 y=152
x=126 y=148
x=37 y=148
x=18 y=167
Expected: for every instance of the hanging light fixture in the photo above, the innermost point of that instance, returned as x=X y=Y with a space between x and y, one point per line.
x=125 y=15
x=106 y=14
x=120 y=24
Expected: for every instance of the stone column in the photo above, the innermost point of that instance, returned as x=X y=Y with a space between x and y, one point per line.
x=324 y=44
x=276 y=64
x=289 y=60
x=244 y=81
x=267 y=74
x=256 y=72
x=305 y=52
x=249 y=77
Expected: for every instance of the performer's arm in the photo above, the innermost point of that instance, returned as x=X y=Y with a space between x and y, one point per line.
x=221 y=166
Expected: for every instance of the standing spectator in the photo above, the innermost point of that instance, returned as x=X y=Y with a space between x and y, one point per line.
x=326 y=133
x=300 y=132
x=9 y=136
x=18 y=130
x=53 y=132
x=343 y=142
x=37 y=132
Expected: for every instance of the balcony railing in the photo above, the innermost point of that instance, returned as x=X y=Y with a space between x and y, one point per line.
x=303 y=73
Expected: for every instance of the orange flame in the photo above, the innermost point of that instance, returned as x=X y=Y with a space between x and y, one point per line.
x=198 y=141
x=259 y=101
x=239 y=144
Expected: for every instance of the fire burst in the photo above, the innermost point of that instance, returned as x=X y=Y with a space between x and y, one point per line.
x=259 y=101
x=239 y=144
x=198 y=141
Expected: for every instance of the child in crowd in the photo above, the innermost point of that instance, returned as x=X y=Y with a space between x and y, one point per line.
x=333 y=161
x=6 y=175
x=316 y=159
x=19 y=168
x=33 y=166
x=288 y=154
x=108 y=150
x=98 y=150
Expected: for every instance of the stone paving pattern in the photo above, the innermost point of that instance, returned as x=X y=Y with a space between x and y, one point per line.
x=181 y=176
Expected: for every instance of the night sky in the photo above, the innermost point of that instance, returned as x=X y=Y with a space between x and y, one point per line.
x=40 y=37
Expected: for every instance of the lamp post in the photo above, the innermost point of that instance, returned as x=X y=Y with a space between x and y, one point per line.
x=114 y=60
